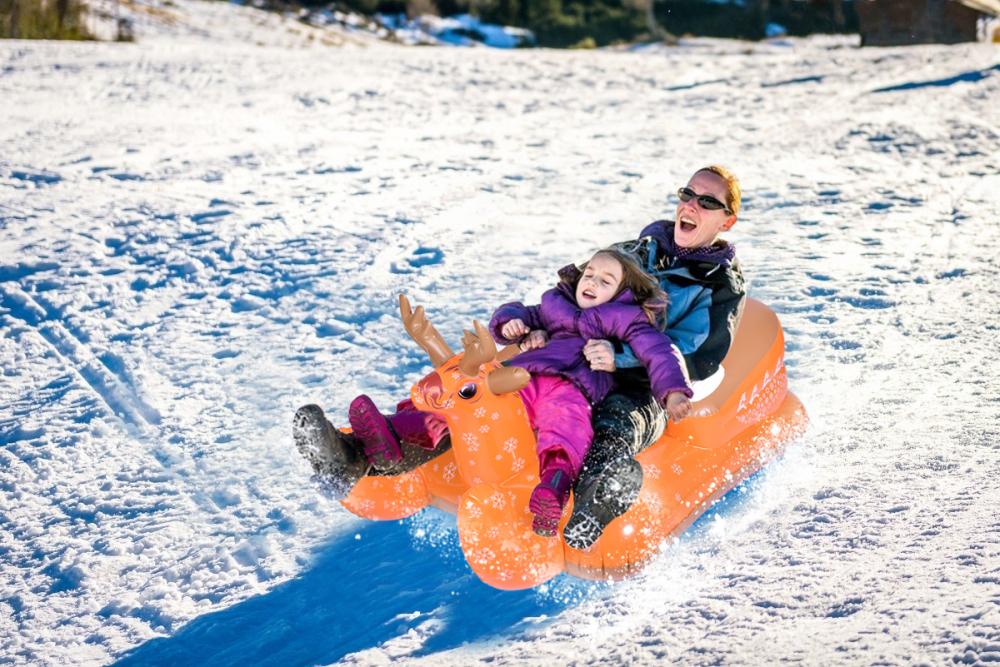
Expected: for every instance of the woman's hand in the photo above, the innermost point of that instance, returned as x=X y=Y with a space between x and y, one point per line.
x=601 y=355
x=678 y=406
x=534 y=340
x=514 y=329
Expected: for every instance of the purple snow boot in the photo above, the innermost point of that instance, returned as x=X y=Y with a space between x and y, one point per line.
x=372 y=429
x=550 y=496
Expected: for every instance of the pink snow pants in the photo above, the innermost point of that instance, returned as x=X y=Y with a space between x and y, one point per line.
x=557 y=410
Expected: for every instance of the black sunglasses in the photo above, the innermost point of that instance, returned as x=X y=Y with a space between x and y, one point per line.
x=707 y=202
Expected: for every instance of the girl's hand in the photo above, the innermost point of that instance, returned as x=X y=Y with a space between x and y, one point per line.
x=678 y=406
x=535 y=339
x=601 y=355
x=514 y=329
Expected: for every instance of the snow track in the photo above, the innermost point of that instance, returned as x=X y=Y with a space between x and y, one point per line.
x=198 y=236
x=104 y=376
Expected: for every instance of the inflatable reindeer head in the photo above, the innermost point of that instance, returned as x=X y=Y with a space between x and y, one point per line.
x=476 y=396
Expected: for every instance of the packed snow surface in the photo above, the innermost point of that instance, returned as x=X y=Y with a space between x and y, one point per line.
x=200 y=233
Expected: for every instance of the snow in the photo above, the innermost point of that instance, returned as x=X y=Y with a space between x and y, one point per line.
x=207 y=228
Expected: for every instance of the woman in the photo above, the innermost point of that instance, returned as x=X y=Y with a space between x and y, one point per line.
x=706 y=292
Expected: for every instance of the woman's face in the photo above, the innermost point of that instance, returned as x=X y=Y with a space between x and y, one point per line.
x=694 y=226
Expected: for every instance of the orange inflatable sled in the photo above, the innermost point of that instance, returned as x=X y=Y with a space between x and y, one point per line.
x=486 y=478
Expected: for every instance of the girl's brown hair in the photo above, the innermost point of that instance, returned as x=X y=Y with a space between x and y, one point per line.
x=645 y=289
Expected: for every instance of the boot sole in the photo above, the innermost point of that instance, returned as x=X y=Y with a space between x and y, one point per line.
x=603 y=501
x=545 y=506
x=337 y=466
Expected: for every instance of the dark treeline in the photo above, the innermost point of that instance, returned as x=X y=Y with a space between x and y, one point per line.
x=42 y=19
x=750 y=20
x=556 y=23
x=562 y=23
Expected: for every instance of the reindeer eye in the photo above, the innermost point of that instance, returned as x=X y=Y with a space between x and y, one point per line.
x=468 y=390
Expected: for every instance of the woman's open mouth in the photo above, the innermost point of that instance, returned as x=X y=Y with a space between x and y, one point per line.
x=687 y=225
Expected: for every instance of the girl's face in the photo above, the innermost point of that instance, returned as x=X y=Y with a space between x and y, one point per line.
x=599 y=282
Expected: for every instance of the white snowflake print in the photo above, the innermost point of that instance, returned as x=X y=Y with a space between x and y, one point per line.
x=450 y=471
x=473 y=510
x=485 y=428
x=518 y=464
x=495 y=416
x=480 y=412
x=652 y=470
x=471 y=442
x=485 y=556
x=509 y=445
x=497 y=501
x=677 y=469
x=655 y=504
x=508 y=546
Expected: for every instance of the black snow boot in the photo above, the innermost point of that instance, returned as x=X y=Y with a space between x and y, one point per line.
x=600 y=500
x=334 y=456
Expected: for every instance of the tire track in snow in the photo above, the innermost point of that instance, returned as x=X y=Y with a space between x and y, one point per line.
x=116 y=392
x=111 y=387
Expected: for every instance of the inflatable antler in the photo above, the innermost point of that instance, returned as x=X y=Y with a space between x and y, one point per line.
x=480 y=349
x=424 y=333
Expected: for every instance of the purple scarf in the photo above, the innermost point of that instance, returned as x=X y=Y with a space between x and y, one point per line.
x=720 y=252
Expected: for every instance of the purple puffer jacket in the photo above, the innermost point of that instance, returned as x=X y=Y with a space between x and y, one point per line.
x=569 y=327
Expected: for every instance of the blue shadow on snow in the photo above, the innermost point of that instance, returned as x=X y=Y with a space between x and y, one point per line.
x=967 y=77
x=362 y=590
x=368 y=587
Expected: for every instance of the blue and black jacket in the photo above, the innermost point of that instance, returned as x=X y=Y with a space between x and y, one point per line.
x=706 y=293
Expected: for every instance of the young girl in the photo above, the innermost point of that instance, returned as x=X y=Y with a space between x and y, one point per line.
x=611 y=298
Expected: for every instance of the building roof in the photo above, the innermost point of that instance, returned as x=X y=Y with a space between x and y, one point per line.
x=991 y=7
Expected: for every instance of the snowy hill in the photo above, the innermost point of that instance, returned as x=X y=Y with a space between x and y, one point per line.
x=198 y=235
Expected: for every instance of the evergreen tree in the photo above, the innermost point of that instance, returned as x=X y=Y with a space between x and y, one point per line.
x=39 y=19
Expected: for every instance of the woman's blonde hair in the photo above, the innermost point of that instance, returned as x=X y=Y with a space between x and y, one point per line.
x=644 y=287
x=732 y=185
